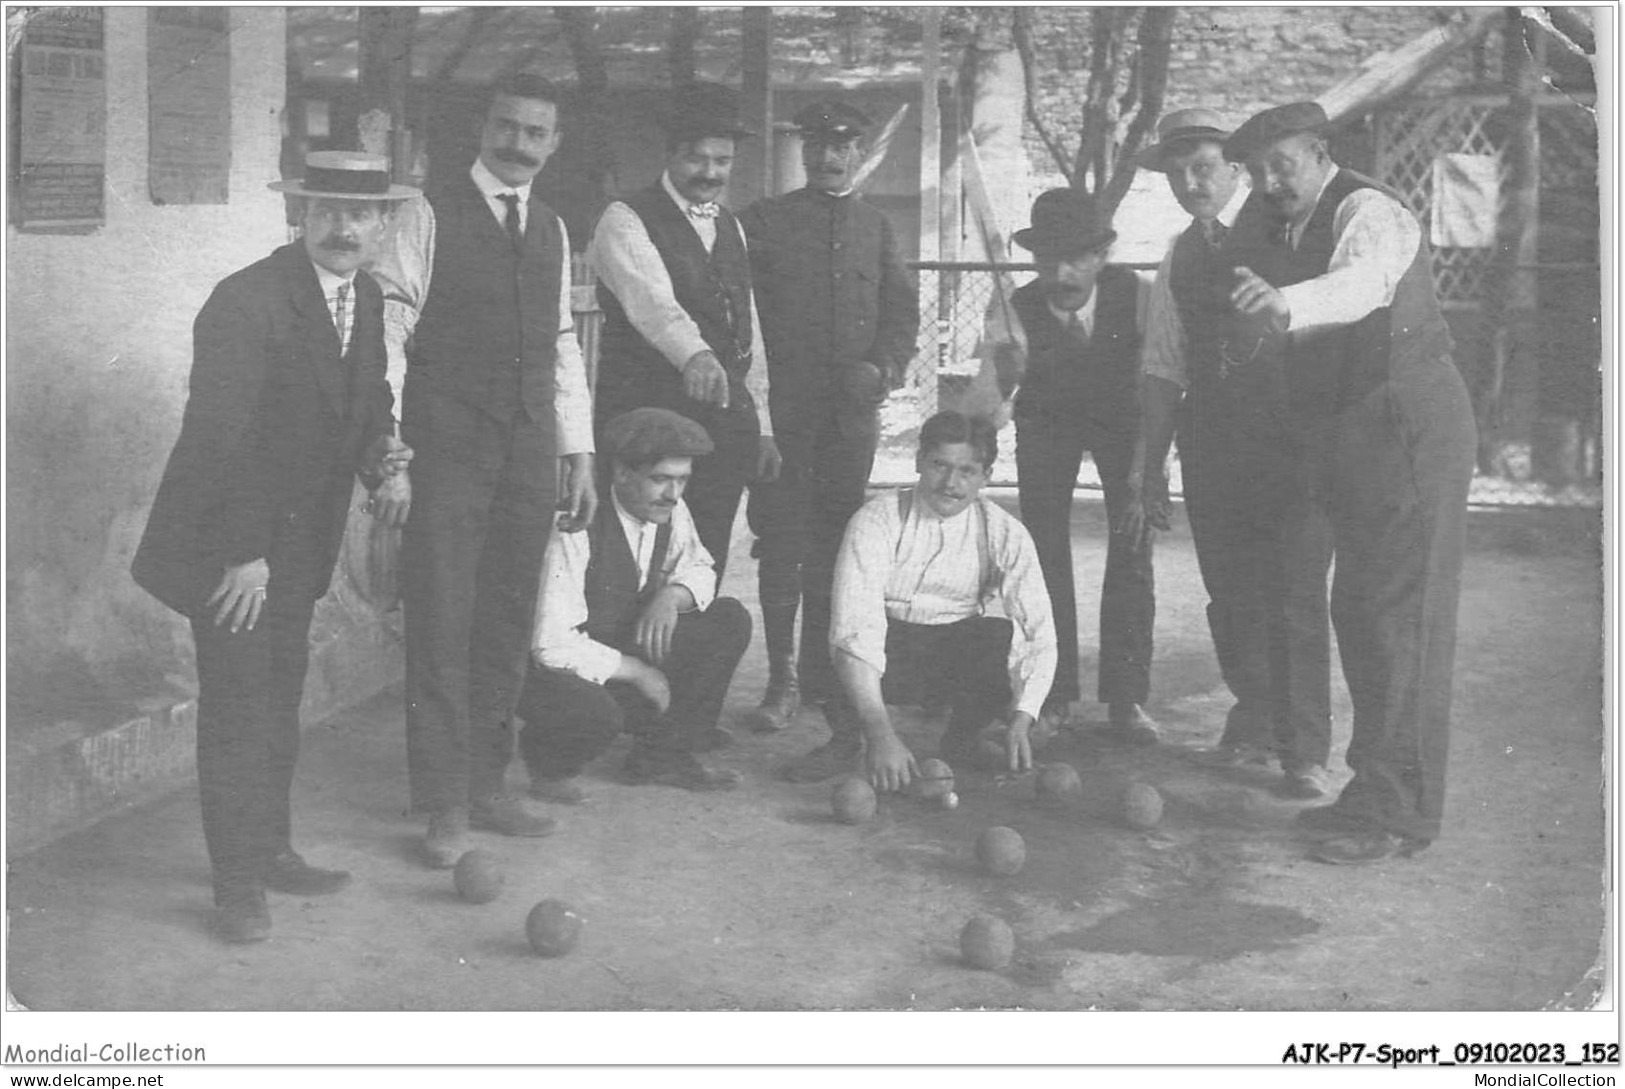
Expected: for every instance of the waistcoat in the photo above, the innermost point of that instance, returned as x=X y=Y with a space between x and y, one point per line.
x=614 y=598
x=1067 y=377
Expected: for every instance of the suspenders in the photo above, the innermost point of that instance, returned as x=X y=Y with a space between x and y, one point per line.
x=988 y=577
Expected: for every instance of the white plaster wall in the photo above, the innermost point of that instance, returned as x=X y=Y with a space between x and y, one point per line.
x=98 y=347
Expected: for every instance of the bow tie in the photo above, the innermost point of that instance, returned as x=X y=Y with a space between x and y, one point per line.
x=708 y=210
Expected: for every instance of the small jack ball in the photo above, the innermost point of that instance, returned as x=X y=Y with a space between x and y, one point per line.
x=478 y=876
x=1142 y=806
x=553 y=928
x=950 y=800
x=987 y=943
x=853 y=801
x=1001 y=851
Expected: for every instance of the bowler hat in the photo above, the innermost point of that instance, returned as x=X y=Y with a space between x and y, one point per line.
x=1065 y=221
x=346 y=175
x=1263 y=129
x=1177 y=130
x=830 y=119
x=650 y=434
x=703 y=109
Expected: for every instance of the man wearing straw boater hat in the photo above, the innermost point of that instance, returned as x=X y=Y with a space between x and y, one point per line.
x=840 y=316
x=288 y=404
x=1264 y=549
x=1333 y=286
x=1068 y=345
x=495 y=397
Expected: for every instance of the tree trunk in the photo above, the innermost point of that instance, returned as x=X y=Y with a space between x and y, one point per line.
x=685 y=32
x=581 y=30
x=385 y=61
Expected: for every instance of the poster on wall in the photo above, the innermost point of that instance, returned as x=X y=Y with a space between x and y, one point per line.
x=189 y=104
x=62 y=117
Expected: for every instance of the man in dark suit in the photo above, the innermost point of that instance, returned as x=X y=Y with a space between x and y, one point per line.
x=840 y=316
x=495 y=394
x=288 y=402
x=1069 y=344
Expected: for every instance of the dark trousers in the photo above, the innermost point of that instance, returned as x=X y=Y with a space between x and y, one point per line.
x=483 y=495
x=965 y=664
x=1049 y=450
x=718 y=482
x=799 y=521
x=1264 y=549
x=569 y=721
x=249 y=687
x=1401 y=464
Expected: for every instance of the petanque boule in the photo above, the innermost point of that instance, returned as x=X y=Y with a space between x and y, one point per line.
x=478 y=876
x=553 y=928
x=987 y=943
x=1058 y=784
x=853 y=801
x=1001 y=851
x=1142 y=806
x=935 y=779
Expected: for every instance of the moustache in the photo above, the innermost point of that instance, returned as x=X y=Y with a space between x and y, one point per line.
x=517 y=158
x=341 y=245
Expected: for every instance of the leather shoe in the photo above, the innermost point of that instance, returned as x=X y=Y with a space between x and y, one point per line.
x=1129 y=722
x=447 y=838
x=243 y=918
x=508 y=816
x=780 y=704
x=679 y=769
x=1305 y=781
x=287 y=872
x=559 y=791
x=1365 y=846
x=1329 y=820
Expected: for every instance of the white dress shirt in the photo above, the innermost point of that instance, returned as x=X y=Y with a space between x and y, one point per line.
x=331 y=282
x=626 y=260
x=404 y=267
x=1164 y=352
x=929 y=570
x=557 y=640
x=1377 y=239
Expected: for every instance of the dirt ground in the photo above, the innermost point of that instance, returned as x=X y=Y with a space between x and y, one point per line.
x=759 y=900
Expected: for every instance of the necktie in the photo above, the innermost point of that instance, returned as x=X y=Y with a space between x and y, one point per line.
x=1213 y=233
x=511 y=220
x=341 y=316
x=707 y=210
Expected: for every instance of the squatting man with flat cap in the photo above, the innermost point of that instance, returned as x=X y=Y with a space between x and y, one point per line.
x=1263 y=545
x=939 y=596
x=840 y=315
x=629 y=632
x=1333 y=286
x=287 y=405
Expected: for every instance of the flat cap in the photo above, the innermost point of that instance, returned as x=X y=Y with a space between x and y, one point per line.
x=650 y=434
x=1277 y=123
x=831 y=119
x=1177 y=130
x=702 y=109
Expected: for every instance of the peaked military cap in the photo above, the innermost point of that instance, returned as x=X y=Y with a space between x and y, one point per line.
x=650 y=434
x=832 y=120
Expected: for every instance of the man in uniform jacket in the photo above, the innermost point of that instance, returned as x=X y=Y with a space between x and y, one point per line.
x=1068 y=344
x=680 y=324
x=1263 y=547
x=1333 y=289
x=287 y=404
x=840 y=316
x=630 y=633
x=495 y=393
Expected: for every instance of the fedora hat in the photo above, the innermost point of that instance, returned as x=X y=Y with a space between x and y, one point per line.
x=703 y=109
x=1178 y=129
x=1065 y=221
x=346 y=175
x=1263 y=129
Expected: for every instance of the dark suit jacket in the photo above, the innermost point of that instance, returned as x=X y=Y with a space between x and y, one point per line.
x=275 y=427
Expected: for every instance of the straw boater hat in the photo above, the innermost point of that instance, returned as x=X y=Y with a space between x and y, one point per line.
x=1177 y=131
x=346 y=175
x=1261 y=130
x=1065 y=222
